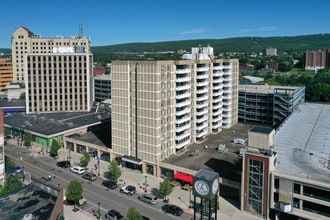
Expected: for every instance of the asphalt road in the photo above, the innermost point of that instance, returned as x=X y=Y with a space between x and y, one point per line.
x=94 y=192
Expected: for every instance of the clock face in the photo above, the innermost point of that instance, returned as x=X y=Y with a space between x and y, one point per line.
x=215 y=186
x=201 y=187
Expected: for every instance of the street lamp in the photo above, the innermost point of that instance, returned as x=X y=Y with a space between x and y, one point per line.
x=98 y=211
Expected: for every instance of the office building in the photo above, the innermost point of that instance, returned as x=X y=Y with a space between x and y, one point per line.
x=316 y=60
x=24 y=41
x=268 y=105
x=160 y=107
x=58 y=82
x=6 y=72
x=270 y=52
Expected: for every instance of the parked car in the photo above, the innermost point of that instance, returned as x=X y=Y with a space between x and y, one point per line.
x=64 y=164
x=172 y=209
x=109 y=184
x=150 y=199
x=113 y=215
x=89 y=176
x=78 y=170
x=129 y=190
x=18 y=169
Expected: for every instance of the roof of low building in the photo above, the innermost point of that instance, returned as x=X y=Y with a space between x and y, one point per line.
x=303 y=143
x=48 y=124
x=28 y=200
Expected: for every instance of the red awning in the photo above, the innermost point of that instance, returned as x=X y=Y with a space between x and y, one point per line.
x=184 y=177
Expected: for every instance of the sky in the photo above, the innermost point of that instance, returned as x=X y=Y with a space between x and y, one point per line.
x=110 y=22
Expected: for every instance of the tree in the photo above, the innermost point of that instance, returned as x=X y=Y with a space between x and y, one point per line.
x=74 y=191
x=165 y=187
x=114 y=169
x=12 y=183
x=85 y=159
x=9 y=163
x=133 y=214
x=7 y=131
x=27 y=139
x=54 y=148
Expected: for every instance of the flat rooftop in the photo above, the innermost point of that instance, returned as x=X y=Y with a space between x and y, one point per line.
x=227 y=164
x=303 y=143
x=264 y=89
x=47 y=124
x=28 y=200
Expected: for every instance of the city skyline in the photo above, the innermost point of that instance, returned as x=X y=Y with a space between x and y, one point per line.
x=114 y=22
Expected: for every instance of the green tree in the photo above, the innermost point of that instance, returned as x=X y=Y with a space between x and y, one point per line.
x=85 y=159
x=7 y=131
x=9 y=163
x=12 y=183
x=74 y=191
x=22 y=96
x=27 y=138
x=165 y=187
x=54 y=148
x=114 y=169
x=133 y=214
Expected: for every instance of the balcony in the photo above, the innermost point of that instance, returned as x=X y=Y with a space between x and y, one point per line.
x=202 y=105
x=217 y=80
x=182 y=145
x=216 y=119
x=183 y=95
x=182 y=136
x=217 y=67
x=202 y=98
x=200 y=120
x=181 y=71
x=217 y=86
x=202 y=83
x=181 y=128
x=182 y=79
x=182 y=103
x=216 y=126
x=204 y=111
x=182 y=87
x=202 y=69
x=202 y=76
x=180 y=120
x=202 y=126
x=216 y=105
x=202 y=90
x=201 y=134
x=217 y=73
x=183 y=111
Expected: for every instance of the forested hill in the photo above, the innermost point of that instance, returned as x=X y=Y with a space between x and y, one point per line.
x=298 y=44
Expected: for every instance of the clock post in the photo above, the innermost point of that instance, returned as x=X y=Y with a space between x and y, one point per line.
x=206 y=187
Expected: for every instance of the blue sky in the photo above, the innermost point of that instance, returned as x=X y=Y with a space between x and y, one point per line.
x=108 y=22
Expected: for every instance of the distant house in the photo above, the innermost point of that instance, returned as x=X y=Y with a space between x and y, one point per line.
x=98 y=70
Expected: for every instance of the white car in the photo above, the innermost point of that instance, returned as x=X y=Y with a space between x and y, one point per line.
x=78 y=170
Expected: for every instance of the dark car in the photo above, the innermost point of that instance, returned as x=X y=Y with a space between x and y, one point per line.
x=109 y=184
x=89 y=176
x=129 y=190
x=173 y=209
x=113 y=214
x=64 y=164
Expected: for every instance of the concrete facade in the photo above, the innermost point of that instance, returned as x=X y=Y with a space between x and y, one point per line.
x=58 y=82
x=25 y=41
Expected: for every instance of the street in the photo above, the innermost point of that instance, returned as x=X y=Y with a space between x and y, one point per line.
x=42 y=166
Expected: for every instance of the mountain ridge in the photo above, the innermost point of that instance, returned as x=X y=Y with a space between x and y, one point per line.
x=289 y=44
